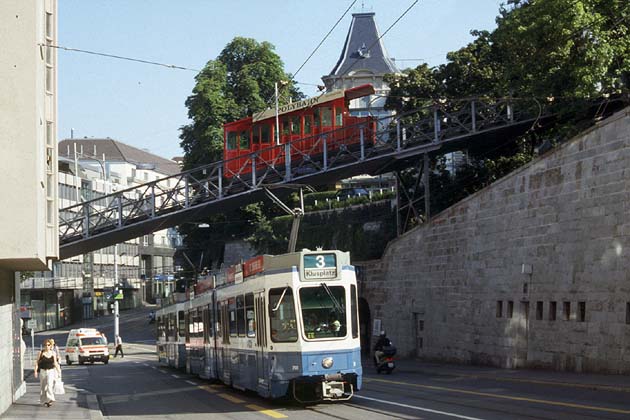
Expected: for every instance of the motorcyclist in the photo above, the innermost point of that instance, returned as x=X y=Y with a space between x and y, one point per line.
x=151 y=317
x=381 y=343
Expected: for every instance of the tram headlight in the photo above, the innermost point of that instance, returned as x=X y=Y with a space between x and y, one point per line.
x=327 y=363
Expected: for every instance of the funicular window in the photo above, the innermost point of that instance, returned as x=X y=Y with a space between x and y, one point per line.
x=326 y=116
x=285 y=126
x=265 y=133
x=295 y=125
x=240 y=315
x=338 y=116
x=323 y=311
x=316 y=117
x=232 y=317
x=282 y=315
x=231 y=140
x=181 y=316
x=250 y=318
x=244 y=140
x=308 y=124
x=354 y=314
x=256 y=135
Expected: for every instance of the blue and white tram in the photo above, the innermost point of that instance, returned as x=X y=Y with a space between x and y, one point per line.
x=282 y=326
x=171 y=337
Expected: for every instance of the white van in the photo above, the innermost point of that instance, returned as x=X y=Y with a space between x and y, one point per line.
x=86 y=345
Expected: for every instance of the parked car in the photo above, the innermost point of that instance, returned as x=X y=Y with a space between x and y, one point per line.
x=345 y=193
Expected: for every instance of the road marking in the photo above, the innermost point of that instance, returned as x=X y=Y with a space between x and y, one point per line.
x=270 y=413
x=505 y=397
x=231 y=398
x=192 y=383
x=208 y=389
x=175 y=376
x=428 y=410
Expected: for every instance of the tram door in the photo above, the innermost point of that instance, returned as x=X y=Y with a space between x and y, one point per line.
x=262 y=358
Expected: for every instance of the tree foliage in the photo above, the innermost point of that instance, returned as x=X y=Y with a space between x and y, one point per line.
x=558 y=51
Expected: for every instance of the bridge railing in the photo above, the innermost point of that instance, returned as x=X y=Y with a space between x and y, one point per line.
x=434 y=124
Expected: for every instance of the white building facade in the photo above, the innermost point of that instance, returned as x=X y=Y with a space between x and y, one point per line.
x=28 y=117
x=81 y=287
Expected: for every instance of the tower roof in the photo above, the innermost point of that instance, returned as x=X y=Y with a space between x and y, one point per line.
x=363 y=50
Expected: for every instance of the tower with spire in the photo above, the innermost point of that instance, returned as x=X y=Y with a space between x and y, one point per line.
x=363 y=60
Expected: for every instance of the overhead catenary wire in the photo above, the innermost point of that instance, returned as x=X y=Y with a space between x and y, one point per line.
x=120 y=57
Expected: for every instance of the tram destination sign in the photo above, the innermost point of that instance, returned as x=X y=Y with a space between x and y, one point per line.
x=320 y=266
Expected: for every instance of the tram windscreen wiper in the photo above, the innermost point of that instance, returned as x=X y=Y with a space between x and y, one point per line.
x=338 y=308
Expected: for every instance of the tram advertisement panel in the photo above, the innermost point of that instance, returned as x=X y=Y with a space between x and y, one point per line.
x=320 y=266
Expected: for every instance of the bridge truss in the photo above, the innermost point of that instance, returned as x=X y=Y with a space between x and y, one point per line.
x=398 y=142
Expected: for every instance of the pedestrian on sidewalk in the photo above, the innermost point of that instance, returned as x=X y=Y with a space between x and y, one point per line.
x=55 y=350
x=118 y=343
x=47 y=367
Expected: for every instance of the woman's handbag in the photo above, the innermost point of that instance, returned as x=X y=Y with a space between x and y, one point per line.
x=58 y=387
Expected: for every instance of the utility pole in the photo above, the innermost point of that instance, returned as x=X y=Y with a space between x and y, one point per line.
x=116 y=324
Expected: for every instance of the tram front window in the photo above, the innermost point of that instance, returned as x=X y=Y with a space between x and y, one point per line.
x=282 y=315
x=323 y=311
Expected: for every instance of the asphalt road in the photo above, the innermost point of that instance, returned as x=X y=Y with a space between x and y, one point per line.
x=136 y=387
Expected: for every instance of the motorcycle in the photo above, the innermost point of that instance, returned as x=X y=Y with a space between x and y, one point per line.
x=386 y=363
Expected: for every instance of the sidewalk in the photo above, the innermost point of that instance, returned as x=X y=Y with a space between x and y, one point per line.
x=74 y=404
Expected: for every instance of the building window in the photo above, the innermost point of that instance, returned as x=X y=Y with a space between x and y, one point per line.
x=627 y=312
x=499 y=308
x=566 y=310
x=525 y=310
x=581 y=311
x=539 y=310
x=552 y=311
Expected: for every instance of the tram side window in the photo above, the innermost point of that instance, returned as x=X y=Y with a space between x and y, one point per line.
x=323 y=311
x=353 y=311
x=282 y=315
x=232 y=317
x=240 y=315
x=338 y=116
x=265 y=133
x=219 y=319
x=326 y=116
x=244 y=140
x=231 y=140
x=250 y=318
x=189 y=323
x=172 y=328
x=181 y=316
x=198 y=323
x=210 y=323
x=226 y=323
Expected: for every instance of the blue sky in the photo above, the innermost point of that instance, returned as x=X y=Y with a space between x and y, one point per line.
x=143 y=105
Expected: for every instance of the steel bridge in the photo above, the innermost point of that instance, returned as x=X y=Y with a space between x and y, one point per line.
x=192 y=195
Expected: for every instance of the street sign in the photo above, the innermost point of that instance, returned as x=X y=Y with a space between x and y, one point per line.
x=119 y=296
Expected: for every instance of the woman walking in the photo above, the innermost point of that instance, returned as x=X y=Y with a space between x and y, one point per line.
x=47 y=367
